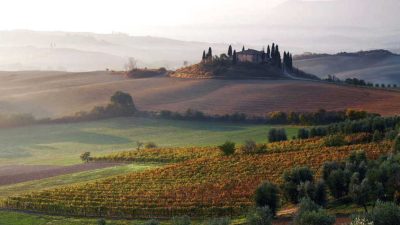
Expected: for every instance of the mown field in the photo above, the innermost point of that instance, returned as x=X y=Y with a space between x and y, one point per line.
x=62 y=144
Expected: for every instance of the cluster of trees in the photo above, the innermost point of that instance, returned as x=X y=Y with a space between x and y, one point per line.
x=379 y=127
x=358 y=82
x=368 y=183
x=319 y=117
x=277 y=135
x=121 y=104
x=272 y=54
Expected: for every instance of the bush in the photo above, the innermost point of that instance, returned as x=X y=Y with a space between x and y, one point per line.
x=377 y=137
x=219 y=221
x=276 y=135
x=260 y=216
x=291 y=181
x=334 y=141
x=101 y=222
x=183 y=220
x=303 y=133
x=338 y=183
x=152 y=222
x=85 y=157
x=150 y=145
x=310 y=213
x=267 y=195
x=251 y=147
x=228 y=148
x=385 y=213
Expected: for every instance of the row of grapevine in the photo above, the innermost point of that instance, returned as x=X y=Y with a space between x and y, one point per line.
x=206 y=185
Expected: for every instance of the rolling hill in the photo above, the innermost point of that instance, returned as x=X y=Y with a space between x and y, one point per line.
x=53 y=94
x=377 y=66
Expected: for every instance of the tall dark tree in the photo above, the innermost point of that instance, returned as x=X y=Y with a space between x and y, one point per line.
x=243 y=49
x=204 y=56
x=273 y=51
x=234 y=58
x=209 y=54
x=230 y=51
x=268 y=52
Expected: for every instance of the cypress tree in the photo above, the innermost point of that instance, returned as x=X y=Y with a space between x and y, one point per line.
x=209 y=54
x=204 y=55
x=273 y=51
x=285 y=61
x=243 y=49
x=230 y=51
x=268 y=52
x=234 y=57
x=290 y=61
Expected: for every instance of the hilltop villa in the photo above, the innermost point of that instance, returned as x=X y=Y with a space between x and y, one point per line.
x=251 y=55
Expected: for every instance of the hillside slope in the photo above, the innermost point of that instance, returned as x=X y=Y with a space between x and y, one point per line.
x=57 y=93
x=377 y=66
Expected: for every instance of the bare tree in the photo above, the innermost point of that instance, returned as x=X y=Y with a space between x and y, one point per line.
x=131 y=64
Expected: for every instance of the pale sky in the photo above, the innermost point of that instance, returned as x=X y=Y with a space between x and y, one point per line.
x=131 y=16
x=205 y=20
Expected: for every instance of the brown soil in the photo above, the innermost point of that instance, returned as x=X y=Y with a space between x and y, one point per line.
x=21 y=173
x=58 y=94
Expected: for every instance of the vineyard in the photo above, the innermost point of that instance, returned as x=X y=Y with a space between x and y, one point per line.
x=201 y=182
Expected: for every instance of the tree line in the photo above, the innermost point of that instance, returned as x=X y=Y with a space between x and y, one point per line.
x=359 y=82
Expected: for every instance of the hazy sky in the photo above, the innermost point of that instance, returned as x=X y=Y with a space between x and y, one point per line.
x=205 y=20
x=123 y=15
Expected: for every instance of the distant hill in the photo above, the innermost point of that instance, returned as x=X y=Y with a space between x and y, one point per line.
x=72 y=51
x=55 y=94
x=376 y=66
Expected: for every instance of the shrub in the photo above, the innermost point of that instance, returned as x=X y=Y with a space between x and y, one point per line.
x=219 y=221
x=303 y=133
x=377 y=137
x=385 y=213
x=251 y=147
x=260 y=216
x=183 y=220
x=101 y=222
x=276 y=135
x=150 y=145
x=292 y=179
x=85 y=157
x=228 y=148
x=334 y=141
x=152 y=222
x=267 y=195
x=310 y=213
x=338 y=183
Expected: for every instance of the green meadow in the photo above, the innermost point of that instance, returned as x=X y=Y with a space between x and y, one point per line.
x=62 y=144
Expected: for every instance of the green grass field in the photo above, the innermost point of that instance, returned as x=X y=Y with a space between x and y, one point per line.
x=61 y=144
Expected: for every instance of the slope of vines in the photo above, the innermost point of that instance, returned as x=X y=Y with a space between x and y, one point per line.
x=205 y=186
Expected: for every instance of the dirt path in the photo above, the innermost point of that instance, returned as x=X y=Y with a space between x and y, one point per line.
x=13 y=174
